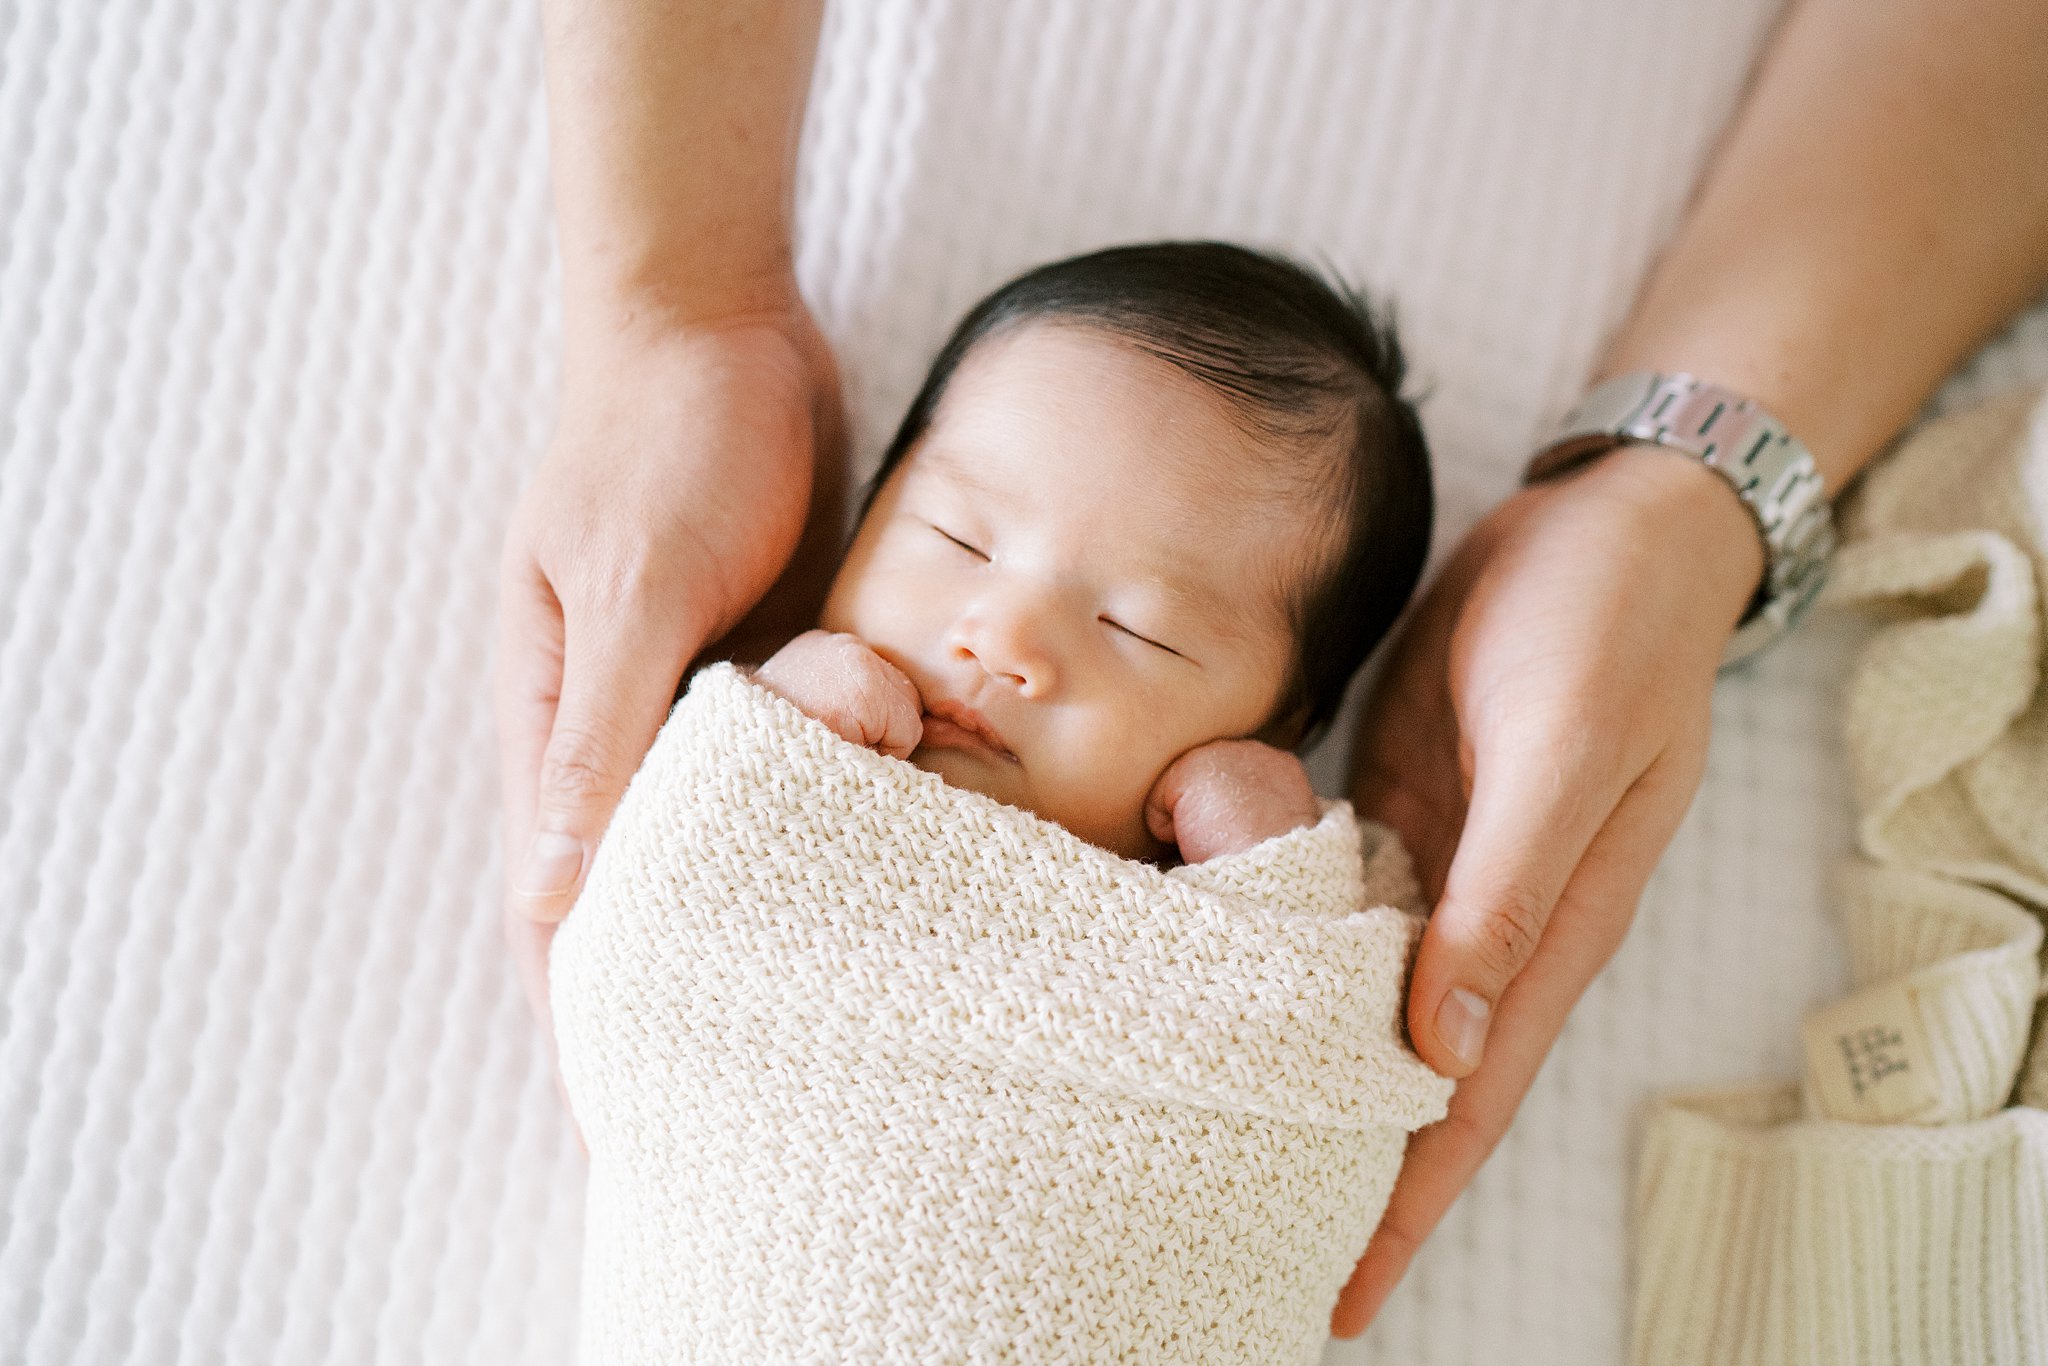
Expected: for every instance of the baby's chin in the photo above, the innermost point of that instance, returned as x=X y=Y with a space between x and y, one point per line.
x=993 y=777
x=974 y=772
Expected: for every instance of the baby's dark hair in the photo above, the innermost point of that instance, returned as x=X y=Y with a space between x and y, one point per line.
x=1301 y=360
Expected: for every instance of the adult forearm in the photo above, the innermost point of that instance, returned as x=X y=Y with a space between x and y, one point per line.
x=1878 y=206
x=673 y=128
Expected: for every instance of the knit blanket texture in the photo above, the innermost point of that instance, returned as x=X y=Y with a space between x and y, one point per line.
x=1891 y=1207
x=875 y=1069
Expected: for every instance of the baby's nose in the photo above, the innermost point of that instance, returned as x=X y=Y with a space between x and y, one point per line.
x=1012 y=642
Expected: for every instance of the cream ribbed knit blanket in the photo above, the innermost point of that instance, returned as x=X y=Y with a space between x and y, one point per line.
x=875 y=1069
x=1892 y=1208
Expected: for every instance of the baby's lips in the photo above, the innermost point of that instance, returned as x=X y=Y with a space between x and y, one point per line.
x=942 y=732
x=962 y=726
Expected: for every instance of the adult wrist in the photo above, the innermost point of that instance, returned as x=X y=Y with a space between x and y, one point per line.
x=1772 y=474
x=617 y=329
x=652 y=303
x=1694 y=512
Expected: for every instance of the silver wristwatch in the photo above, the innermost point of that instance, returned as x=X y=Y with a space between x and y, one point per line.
x=1771 y=471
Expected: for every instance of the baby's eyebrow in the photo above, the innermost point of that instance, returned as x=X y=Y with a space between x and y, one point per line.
x=1182 y=594
x=1228 y=620
x=947 y=464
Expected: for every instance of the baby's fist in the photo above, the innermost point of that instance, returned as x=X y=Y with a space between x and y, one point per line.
x=837 y=678
x=1228 y=795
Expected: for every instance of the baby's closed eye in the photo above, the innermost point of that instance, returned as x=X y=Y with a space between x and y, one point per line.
x=1106 y=620
x=1138 y=636
x=957 y=541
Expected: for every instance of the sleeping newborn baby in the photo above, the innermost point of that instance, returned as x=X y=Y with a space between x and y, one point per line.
x=1077 y=1037
x=1149 y=513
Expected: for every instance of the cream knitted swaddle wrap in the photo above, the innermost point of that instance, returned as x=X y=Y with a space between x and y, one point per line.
x=872 y=1068
x=1891 y=1209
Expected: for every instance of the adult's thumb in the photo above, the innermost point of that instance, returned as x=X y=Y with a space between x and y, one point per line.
x=613 y=701
x=1529 y=823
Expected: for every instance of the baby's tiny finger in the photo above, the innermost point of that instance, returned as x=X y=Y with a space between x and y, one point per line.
x=1165 y=796
x=905 y=726
x=1159 y=821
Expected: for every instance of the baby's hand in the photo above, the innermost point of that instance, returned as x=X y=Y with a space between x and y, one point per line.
x=1228 y=795
x=836 y=678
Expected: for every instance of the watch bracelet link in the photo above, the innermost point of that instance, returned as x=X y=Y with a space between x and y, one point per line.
x=1770 y=470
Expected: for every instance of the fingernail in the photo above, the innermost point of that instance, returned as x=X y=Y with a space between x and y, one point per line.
x=552 y=862
x=1461 y=1024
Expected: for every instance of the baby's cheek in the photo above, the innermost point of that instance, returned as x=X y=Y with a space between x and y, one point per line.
x=1111 y=790
x=1116 y=826
x=842 y=610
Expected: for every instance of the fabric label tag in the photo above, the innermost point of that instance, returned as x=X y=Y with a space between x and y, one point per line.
x=1867 y=1057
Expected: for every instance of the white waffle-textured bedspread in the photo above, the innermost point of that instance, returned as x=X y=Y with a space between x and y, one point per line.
x=278 y=329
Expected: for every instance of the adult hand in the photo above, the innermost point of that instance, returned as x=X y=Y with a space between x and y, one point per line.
x=1535 y=739
x=671 y=496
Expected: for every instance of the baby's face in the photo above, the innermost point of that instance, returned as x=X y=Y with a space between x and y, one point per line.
x=1083 y=548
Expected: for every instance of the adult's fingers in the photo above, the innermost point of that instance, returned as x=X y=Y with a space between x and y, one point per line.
x=621 y=660
x=1537 y=801
x=1442 y=1159
x=1591 y=919
x=526 y=686
x=528 y=941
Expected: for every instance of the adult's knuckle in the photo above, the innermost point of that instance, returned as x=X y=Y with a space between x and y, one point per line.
x=616 y=580
x=1510 y=926
x=574 y=771
x=1397 y=1237
x=1473 y=1135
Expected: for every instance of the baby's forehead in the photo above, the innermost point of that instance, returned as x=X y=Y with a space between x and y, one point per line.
x=1193 y=507
x=1054 y=401
x=1083 y=394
